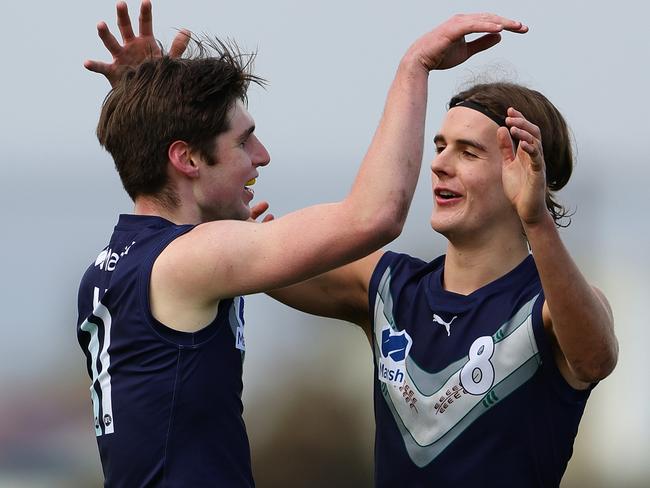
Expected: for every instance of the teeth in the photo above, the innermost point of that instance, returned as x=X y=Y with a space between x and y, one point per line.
x=251 y=182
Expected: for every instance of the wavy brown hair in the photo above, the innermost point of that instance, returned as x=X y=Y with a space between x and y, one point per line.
x=556 y=138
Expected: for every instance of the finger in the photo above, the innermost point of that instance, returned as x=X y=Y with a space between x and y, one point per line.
x=108 y=39
x=146 y=20
x=505 y=144
x=482 y=43
x=523 y=135
x=507 y=24
x=523 y=129
x=180 y=43
x=124 y=21
x=97 y=66
x=474 y=25
x=259 y=209
x=268 y=218
x=534 y=155
x=520 y=120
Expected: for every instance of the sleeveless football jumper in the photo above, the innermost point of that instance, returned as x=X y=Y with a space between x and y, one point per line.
x=467 y=392
x=166 y=404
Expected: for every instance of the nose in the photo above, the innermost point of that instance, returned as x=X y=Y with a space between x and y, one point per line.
x=441 y=166
x=261 y=156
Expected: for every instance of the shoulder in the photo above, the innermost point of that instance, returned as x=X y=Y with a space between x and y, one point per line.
x=397 y=274
x=403 y=267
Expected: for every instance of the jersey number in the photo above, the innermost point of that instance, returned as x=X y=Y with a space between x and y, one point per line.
x=477 y=376
x=100 y=361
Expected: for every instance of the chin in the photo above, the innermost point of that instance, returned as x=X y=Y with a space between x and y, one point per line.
x=439 y=225
x=243 y=214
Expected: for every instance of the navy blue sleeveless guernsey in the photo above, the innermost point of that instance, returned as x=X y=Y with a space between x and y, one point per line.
x=467 y=393
x=167 y=404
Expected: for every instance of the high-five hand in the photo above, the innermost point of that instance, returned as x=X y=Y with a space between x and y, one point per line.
x=445 y=46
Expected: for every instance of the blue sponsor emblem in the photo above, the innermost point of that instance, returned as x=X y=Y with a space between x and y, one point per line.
x=395 y=346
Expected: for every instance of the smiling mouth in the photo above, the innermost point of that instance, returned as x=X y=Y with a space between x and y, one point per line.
x=248 y=185
x=446 y=194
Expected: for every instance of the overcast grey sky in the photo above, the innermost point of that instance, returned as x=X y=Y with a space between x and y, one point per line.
x=329 y=65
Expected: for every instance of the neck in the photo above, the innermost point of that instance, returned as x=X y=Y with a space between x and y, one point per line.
x=182 y=214
x=470 y=267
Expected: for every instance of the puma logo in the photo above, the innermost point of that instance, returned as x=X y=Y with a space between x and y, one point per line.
x=437 y=319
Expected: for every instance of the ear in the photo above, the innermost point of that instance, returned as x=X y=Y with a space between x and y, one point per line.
x=505 y=144
x=181 y=159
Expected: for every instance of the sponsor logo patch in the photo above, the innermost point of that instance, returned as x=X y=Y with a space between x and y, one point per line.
x=395 y=346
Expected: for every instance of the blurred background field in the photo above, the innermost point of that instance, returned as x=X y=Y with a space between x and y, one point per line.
x=308 y=381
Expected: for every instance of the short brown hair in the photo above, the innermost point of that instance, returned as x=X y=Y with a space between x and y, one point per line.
x=556 y=139
x=166 y=99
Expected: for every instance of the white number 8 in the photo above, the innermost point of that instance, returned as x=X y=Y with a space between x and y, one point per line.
x=477 y=376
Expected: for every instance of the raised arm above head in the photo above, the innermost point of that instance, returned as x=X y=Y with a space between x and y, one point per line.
x=343 y=293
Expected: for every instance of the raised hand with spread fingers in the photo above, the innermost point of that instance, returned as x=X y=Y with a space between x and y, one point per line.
x=134 y=49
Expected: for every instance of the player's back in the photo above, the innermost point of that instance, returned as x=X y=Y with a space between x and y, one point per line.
x=167 y=404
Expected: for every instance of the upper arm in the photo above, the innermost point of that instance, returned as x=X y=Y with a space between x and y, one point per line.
x=222 y=259
x=341 y=293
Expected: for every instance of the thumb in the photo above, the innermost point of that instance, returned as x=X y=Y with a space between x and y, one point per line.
x=483 y=43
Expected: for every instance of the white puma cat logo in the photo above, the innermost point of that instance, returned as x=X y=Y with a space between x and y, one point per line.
x=438 y=319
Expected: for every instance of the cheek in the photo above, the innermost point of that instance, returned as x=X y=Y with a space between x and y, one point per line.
x=489 y=180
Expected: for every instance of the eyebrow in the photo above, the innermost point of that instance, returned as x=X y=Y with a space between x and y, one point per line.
x=245 y=134
x=465 y=142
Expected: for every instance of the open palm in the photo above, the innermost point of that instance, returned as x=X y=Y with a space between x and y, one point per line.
x=524 y=171
x=446 y=47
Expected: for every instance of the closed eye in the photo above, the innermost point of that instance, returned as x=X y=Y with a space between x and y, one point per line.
x=245 y=136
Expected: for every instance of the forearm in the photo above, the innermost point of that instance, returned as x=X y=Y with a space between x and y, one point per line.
x=582 y=321
x=386 y=180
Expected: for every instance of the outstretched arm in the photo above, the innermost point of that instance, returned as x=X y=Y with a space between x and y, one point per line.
x=343 y=293
x=577 y=316
x=135 y=49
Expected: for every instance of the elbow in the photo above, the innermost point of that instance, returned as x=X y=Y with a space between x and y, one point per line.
x=391 y=219
x=376 y=233
x=376 y=226
x=392 y=230
x=597 y=368
x=380 y=228
x=388 y=227
x=380 y=215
